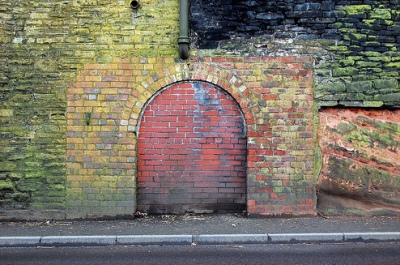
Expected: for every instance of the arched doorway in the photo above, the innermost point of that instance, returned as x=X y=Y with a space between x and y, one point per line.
x=192 y=151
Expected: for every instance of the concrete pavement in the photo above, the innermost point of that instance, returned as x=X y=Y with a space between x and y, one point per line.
x=200 y=229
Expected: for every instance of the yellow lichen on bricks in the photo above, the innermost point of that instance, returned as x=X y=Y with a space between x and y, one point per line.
x=284 y=143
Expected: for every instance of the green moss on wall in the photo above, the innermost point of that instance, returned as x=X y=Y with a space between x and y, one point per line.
x=368 y=50
x=42 y=45
x=352 y=178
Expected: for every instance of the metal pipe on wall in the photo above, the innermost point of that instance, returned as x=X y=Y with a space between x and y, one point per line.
x=135 y=4
x=184 y=39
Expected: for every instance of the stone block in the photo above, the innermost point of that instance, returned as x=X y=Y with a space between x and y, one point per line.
x=388 y=98
x=345 y=71
x=360 y=86
x=6 y=112
x=386 y=84
x=373 y=104
x=378 y=13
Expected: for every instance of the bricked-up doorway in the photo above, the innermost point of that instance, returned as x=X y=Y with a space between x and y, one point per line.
x=192 y=151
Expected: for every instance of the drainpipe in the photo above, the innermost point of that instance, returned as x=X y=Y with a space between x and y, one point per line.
x=183 y=39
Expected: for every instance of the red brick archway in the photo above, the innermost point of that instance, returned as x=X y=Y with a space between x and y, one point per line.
x=192 y=151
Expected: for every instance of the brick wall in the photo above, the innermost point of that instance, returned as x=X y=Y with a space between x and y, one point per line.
x=192 y=152
x=274 y=94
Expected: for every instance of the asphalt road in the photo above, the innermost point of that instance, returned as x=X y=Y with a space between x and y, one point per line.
x=309 y=254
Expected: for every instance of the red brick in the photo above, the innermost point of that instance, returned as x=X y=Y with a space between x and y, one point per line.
x=190 y=137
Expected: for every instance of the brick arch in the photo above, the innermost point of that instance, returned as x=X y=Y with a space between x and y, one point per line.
x=145 y=90
x=223 y=78
x=191 y=151
x=280 y=150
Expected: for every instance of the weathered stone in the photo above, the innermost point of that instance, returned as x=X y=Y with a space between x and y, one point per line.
x=386 y=84
x=6 y=185
x=6 y=112
x=393 y=98
x=356 y=9
x=373 y=104
x=360 y=147
x=380 y=14
x=346 y=62
x=359 y=86
x=345 y=71
x=355 y=37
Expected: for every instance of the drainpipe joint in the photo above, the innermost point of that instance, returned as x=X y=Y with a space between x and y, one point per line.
x=184 y=42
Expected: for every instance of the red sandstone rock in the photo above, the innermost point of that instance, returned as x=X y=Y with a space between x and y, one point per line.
x=360 y=161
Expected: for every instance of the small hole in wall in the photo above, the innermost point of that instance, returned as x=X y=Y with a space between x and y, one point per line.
x=135 y=4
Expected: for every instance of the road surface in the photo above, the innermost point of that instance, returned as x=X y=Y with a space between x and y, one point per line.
x=347 y=253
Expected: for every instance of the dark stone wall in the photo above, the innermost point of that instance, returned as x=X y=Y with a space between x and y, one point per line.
x=355 y=43
x=213 y=21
